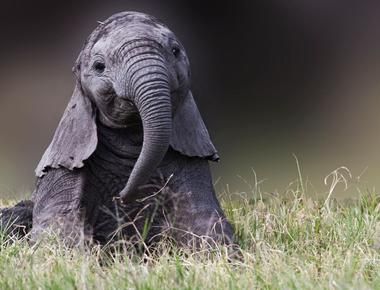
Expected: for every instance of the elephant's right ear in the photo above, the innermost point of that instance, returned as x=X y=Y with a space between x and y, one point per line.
x=75 y=139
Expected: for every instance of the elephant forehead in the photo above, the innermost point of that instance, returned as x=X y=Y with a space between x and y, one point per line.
x=129 y=32
x=119 y=36
x=128 y=25
x=132 y=17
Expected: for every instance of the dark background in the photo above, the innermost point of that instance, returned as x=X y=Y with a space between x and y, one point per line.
x=271 y=78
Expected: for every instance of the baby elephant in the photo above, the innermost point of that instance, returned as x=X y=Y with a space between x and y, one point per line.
x=130 y=155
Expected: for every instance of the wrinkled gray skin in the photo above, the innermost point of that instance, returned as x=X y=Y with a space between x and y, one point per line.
x=131 y=127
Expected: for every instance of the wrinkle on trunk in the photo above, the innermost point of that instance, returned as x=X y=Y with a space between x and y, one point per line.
x=147 y=83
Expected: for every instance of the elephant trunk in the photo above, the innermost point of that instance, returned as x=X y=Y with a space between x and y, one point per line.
x=148 y=86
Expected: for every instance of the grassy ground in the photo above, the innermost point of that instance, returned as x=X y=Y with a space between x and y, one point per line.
x=292 y=242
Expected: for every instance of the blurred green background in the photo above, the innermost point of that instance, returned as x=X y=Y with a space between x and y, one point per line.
x=271 y=78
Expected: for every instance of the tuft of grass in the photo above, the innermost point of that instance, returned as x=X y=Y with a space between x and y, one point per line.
x=292 y=241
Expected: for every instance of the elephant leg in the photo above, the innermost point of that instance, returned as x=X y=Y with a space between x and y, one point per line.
x=202 y=227
x=196 y=214
x=57 y=201
x=194 y=224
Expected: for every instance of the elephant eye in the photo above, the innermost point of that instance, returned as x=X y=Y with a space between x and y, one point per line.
x=175 y=51
x=99 y=67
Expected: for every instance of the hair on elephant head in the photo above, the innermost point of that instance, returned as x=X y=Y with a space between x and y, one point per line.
x=131 y=69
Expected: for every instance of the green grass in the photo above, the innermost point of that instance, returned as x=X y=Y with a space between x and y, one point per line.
x=288 y=242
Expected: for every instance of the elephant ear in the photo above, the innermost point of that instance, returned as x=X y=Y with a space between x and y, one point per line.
x=190 y=136
x=75 y=139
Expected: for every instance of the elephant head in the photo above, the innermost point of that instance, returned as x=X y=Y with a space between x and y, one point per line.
x=131 y=69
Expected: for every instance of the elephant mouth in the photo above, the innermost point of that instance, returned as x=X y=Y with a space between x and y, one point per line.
x=119 y=113
x=129 y=121
x=133 y=120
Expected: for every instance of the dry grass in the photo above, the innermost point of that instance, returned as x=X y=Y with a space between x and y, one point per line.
x=288 y=242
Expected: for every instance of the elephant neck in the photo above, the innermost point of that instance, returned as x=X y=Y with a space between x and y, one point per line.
x=124 y=143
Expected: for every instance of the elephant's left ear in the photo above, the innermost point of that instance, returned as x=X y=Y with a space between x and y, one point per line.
x=190 y=136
